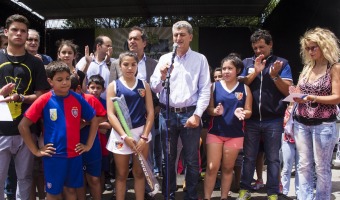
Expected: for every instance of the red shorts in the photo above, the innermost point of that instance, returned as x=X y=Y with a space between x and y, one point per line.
x=234 y=143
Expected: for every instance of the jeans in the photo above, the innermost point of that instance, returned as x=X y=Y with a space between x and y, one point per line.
x=290 y=156
x=157 y=152
x=190 y=140
x=271 y=133
x=315 y=144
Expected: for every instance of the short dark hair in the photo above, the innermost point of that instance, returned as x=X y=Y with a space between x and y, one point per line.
x=261 y=34
x=56 y=66
x=17 y=18
x=218 y=69
x=97 y=79
x=236 y=60
x=143 y=35
x=99 y=40
x=74 y=82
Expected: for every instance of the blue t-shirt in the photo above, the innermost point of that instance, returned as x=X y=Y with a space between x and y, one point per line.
x=135 y=101
x=228 y=125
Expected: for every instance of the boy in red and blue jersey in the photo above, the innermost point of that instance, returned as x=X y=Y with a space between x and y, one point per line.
x=62 y=111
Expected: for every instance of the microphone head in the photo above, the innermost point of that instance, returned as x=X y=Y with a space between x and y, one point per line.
x=174 y=48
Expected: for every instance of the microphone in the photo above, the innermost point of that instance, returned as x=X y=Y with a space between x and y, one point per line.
x=174 y=49
x=171 y=65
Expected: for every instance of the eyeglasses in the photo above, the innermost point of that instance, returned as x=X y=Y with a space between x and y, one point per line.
x=312 y=48
x=32 y=39
x=218 y=76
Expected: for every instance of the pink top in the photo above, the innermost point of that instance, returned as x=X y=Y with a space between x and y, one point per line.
x=321 y=87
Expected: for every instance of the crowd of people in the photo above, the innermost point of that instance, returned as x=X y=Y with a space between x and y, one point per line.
x=67 y=136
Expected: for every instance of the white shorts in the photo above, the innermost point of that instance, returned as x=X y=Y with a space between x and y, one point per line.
x=116 y=145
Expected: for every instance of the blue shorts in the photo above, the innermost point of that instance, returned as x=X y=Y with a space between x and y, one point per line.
x=94 y=168
x=92 y=160
x=61 y=171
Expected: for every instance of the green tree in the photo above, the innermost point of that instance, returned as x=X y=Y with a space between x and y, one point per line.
x=164 y=21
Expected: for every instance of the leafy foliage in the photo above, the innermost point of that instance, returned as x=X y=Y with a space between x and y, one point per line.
x=166 y=21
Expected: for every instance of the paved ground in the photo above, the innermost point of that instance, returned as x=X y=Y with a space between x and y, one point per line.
x=258 y=195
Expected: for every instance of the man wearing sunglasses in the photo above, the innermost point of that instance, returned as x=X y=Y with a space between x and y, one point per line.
x=32 y=46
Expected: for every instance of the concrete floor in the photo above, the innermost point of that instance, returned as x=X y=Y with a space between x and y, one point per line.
x=258 y=195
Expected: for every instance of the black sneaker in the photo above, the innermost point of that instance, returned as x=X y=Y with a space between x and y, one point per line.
x=148 y=197
x=108 y=185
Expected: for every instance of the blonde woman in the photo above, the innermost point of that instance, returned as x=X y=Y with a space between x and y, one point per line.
x=315 y=118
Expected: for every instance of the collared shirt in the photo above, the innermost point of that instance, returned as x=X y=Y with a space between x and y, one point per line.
x=141 y=73
x=189 y=81
x=97 y=68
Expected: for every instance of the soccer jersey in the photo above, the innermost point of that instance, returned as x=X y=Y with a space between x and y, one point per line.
x=228 y=125
x=61 y=115
x=135 y=101
x=102 y=136
x=95 y=152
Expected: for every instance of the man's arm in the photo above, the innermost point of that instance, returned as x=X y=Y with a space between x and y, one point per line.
x=159 y=75
x=32 y=97
x=249 y=78
x=204 y=87
x=281 y=85
x=259 y=65
x=25 y=132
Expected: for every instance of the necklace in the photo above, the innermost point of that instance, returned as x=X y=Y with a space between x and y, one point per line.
x=15 y=60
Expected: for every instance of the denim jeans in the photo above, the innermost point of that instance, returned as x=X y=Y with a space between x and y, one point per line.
x=315 y=144
x=271 y=134
x=157 y=152
x=290 y=157
x=190 y=140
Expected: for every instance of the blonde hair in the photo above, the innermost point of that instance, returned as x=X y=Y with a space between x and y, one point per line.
x=328 y=44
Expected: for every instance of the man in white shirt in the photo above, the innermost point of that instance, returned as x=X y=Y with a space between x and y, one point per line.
x=189 y=97
x=101 y=61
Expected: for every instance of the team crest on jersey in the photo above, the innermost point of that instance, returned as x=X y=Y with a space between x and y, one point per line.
x=53 y=114
x=119 y=145
x=49 y=185
x=239 y=95
x=74 y=112
x=141 y=92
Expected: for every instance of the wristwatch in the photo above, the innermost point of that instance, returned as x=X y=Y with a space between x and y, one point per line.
x=22 y=97
x=275 y=78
